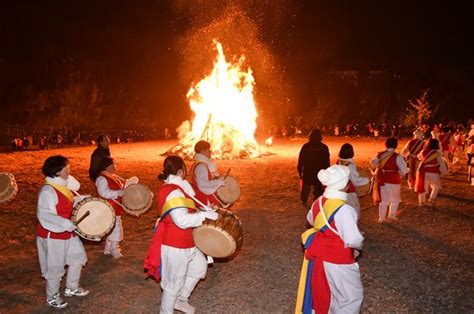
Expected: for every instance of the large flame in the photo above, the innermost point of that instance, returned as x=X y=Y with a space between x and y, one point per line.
x=225 y=113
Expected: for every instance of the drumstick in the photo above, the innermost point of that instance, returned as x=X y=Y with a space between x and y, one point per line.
x=87 y=213
x=227 y=174
x=222 y=204
x=198 y=201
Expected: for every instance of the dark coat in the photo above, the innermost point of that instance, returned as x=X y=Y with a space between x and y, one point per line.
x=98 y=154
x=313 y=157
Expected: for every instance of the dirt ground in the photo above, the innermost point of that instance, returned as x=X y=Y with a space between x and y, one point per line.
x=422 y=263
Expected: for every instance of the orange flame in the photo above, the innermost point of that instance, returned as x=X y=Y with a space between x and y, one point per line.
x=225 y=112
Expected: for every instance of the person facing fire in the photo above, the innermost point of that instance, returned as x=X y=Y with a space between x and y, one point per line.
x=314 y=156
x=410 y=153
x=428 y=172
x=173 y=256
x=205 y=177
x=446 y=142
x=56 y=241
x=389 y=167
x=102 y=151
x=330 y=277
x=110 y=187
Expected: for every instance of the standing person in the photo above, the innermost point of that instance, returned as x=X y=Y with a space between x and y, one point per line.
x=460 y=141
x=330 y=276
x=173 y=256
x=446 y=141
x=110 y=187
x=428 y=172
x=410 y=153
x=57 y=244
x=345 y=158
x=470 y=160
x=205 y=177
x=314 y=156
x=390 y=167
x=102 y=151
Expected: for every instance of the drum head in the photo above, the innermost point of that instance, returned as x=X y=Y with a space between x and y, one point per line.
x=8 y=187
x=214 y=241
x=100 y=220
x=364 y=189
x=137 y=199
x=229 y=193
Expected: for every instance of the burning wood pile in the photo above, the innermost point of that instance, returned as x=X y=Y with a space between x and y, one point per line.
x=225 y=112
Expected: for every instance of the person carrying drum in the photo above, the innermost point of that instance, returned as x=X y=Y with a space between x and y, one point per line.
x=56 y=241
x=110 y=187
x=410 y=153
x=314 y=156
x=330 y=277
x=205 y=178
x=102 y=151
x=345 y=158
x=173 y=256
x=389 y=167
x=428 y=173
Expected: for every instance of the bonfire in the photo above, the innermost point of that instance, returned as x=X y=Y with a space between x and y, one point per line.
x=224 y=112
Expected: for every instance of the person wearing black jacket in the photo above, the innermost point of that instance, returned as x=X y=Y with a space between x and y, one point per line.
x=314 y=156
x=102 y=151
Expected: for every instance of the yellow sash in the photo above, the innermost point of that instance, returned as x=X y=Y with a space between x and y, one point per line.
x=63 y=189
x=177 y=202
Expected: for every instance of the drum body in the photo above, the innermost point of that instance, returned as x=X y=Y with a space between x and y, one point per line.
x=364 y=189
x=99 y=222
x=137 y=199
x=219 y=238
x=229 y=193
x=8 y=187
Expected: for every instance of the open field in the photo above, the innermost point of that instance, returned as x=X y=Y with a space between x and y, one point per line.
x=422 y=263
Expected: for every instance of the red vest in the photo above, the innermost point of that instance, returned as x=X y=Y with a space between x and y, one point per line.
x=63 y=209
x=431 y=166
x=389 y=171
x=201 y=196
x=115 y=185
x=172 y=234
x=414 y=147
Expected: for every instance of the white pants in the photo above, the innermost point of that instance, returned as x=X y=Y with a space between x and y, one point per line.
x=431 y=180
x=54 y=255
x=346 y=288
x=390 y=196
x=181 y=270
x=115 y=236
x=353 y=200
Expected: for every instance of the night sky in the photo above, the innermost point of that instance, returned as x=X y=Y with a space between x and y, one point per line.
x=142 y=56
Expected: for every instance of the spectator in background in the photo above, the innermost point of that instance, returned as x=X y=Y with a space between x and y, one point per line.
x=102 y=151
x=314 y=156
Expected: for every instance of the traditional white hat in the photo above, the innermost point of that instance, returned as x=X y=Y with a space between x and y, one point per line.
x=418 y=133
x=334 y=177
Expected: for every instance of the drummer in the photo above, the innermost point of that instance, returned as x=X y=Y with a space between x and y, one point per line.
x=110 y=187
x=173 y=256
x=205 y=178
x=56 y=241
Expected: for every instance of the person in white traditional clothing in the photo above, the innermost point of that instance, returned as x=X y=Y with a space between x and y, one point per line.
x=205 y=177
x=173 y=256
x=390 y=168
x=110 y=187
x=56 y=241
x=428 y=173
x=332 y=245
x=346 y=158
x=410 y=153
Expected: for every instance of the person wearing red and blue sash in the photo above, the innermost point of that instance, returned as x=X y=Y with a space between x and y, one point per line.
x=330 y=277
x=410 y=152
x=173 y=257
